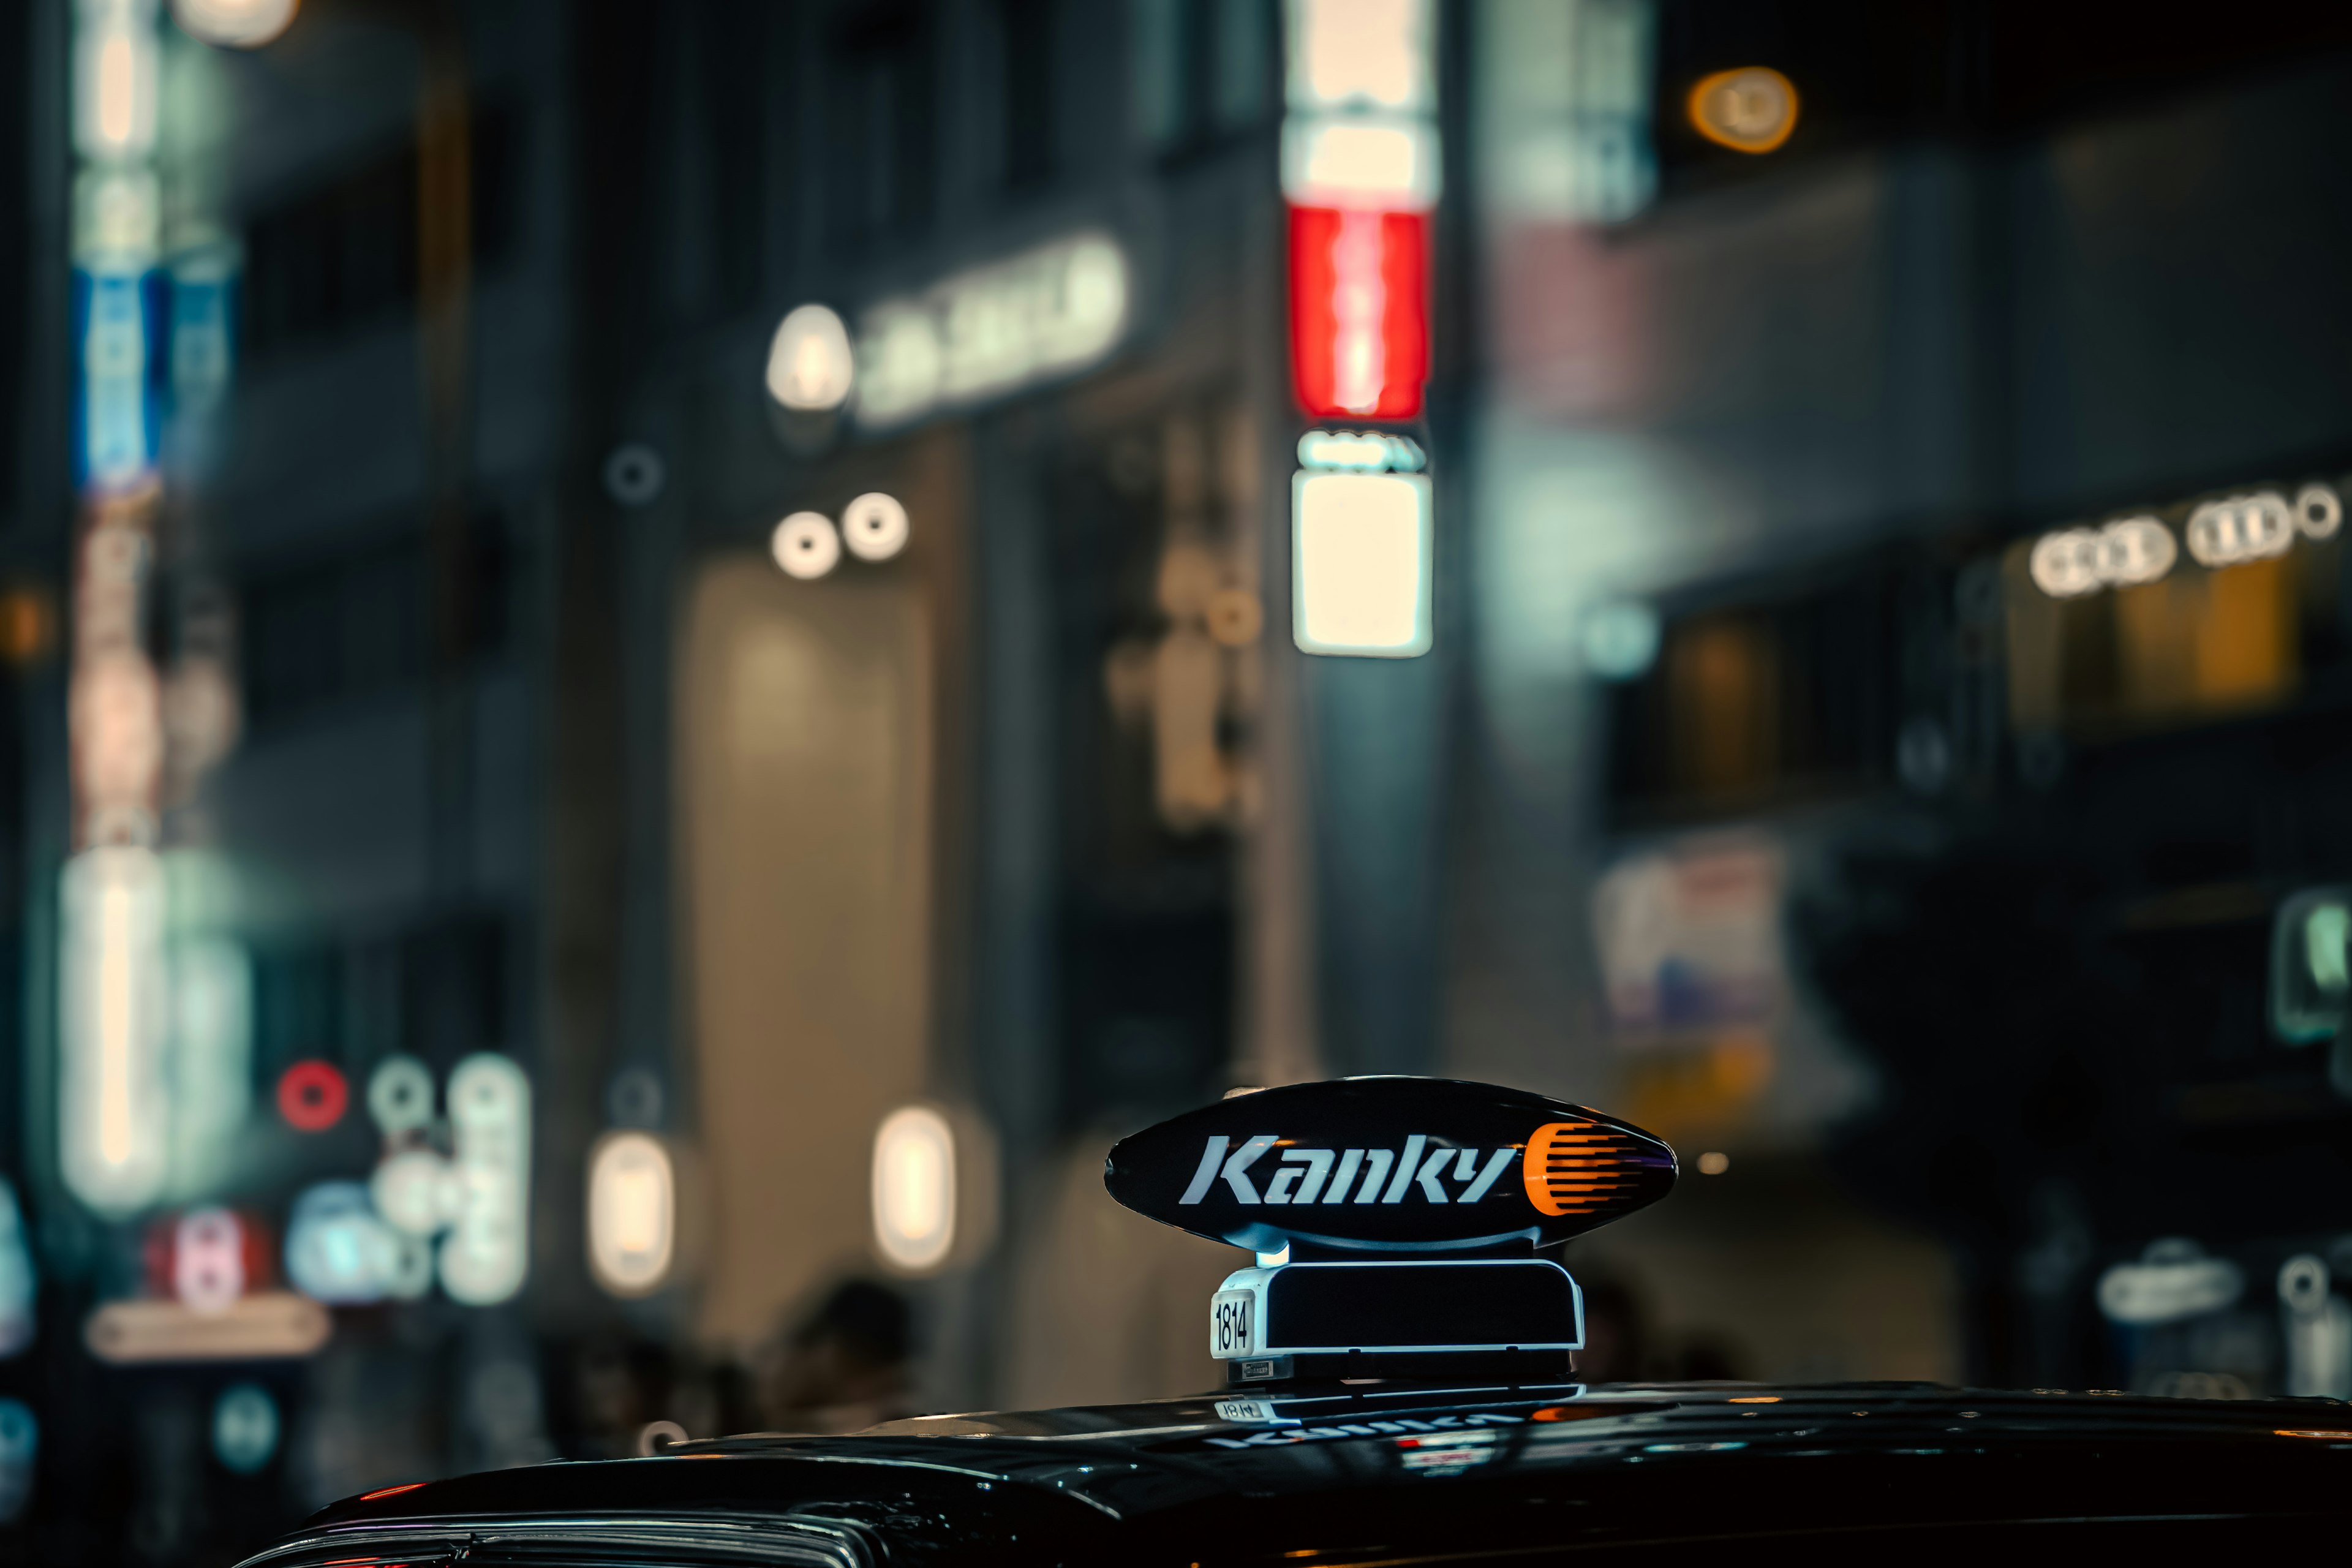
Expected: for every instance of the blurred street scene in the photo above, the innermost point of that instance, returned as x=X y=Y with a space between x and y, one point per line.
x=663 y=660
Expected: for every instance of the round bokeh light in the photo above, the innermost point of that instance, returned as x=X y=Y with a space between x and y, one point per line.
x=805 y=545
x=313 y=1096
x=234 y=23
x=875 y=526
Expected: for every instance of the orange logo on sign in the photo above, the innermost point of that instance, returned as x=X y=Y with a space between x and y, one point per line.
x=1572 y=1168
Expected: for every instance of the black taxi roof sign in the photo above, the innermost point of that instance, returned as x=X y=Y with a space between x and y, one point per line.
x=1390 y=1165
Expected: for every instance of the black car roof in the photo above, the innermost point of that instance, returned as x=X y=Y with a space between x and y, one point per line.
x=1368 y=1471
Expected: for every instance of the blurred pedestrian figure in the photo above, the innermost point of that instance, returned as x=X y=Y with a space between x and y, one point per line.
x=845 y=1365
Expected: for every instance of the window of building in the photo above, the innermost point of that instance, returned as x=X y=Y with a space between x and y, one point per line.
x=439 y=990
x=1201 y=69
x=343 y=255
x=359 y=625
x=1028 y=50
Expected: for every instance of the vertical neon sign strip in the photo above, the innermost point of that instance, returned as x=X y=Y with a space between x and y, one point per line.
x=113 y=1018
x=487 y=1253
x=1359 y=313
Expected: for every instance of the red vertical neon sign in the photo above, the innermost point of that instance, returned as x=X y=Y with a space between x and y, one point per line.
x=1358 y=312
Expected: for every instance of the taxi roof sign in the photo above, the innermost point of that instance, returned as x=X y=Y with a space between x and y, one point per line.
x=1410 y=1166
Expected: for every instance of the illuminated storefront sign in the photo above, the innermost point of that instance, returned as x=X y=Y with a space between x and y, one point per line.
x=2259 y=525
x=1048 y=312
x=150 y=337
x=1360 y=171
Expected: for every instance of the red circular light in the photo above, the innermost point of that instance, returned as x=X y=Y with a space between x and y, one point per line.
x=313 y=1096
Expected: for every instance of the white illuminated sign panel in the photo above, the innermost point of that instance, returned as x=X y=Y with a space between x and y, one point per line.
x=113 y=1011
x=1385 y=166
x=1360 y=563
x=1361 y=54
x=995 y=329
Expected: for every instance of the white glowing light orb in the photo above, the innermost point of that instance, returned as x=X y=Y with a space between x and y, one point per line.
x=810 y=367
x=2318 y=511
x=1360 y=563
x=416 y=1191
x=805 y=545
x=113 y=1008
x=914 y=1188
x=632 y=1212
x=400 y=1095
x=484 y=1256
x=875 y=526
x=234 y=23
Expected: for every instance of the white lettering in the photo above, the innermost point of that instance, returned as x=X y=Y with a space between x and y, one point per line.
x=1210 y=1158
x=1376 y=1167
x=1316 y=1163
x=1432 y=1169
x=1496 y=1163
x=1406 y=1168
x=1242 y=1159
x=1350 y=1163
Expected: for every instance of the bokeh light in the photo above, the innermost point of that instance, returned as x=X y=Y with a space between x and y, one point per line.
x=914 y=1188
x=234 y=24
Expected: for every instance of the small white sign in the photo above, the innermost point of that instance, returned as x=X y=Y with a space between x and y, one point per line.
x=1233 y=1324
x=1360 y=563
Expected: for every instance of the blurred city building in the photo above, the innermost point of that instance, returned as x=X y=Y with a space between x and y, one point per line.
x=665 y=661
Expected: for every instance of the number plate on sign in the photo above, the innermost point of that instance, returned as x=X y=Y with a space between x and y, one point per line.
x=1233 y=1324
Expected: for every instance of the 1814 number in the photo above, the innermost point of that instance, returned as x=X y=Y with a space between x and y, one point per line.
x=1230 y=1324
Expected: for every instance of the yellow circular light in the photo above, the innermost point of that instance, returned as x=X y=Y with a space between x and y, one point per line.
x=1751 y=109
